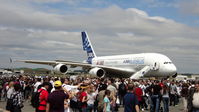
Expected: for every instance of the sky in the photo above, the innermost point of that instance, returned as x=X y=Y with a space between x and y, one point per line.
x=51 y=30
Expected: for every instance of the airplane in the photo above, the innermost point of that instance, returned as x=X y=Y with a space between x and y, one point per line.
x=133 y=66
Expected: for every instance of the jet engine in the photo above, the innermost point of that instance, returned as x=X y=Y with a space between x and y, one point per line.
x=60 y=68
x=97 y=71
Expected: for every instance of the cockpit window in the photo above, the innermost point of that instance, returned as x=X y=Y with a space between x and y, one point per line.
x=167 y=62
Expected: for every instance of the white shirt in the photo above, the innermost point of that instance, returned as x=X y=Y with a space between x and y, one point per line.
x=112 y=89
x=9 y=92
x=70 y=87
x=36 y=86
x=196 y=100
x=91 y=98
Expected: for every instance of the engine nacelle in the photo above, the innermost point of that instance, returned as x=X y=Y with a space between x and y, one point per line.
x=61 y=68
x=97 y=71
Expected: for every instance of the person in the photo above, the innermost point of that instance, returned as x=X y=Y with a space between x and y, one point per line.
x=112 y=88
x=83 y=98
x=10 y=91
x=173 y=93
x=139 y=95
x=107 y=103
x=165 y=98
x=27 y=90
x=191 y=91
x=155 y=98
x=193 y=99
x=184 y=94
x=130 y=100
x=56 y=99
x=43 y=97
x=17 y=99
x=100 y=97
x=122 y=91
x=91 y=98
x=37 y=84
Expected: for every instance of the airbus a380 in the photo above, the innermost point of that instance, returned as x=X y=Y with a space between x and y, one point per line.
x=132 y=66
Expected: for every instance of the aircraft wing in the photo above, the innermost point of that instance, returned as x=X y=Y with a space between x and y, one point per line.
x=53 y=63
x=110 y=71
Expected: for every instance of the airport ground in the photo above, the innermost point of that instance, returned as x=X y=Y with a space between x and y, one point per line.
x=28 y=108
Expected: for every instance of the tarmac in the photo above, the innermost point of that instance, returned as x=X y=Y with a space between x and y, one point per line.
x=28 y=108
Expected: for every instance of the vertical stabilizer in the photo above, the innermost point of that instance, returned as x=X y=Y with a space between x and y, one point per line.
x=88 y=47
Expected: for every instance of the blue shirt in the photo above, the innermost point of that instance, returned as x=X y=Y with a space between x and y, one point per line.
x=107 y=101
x=130 y=101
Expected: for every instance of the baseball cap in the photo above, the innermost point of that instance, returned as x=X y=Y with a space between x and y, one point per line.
x=57 y=83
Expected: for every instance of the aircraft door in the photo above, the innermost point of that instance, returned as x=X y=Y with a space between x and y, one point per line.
x=156 y=66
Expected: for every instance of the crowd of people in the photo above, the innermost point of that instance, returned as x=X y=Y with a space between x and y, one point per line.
x=83 y=94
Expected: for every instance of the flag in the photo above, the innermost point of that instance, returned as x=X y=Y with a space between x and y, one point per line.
x=10 y=60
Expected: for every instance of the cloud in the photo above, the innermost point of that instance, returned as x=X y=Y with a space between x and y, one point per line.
x=26 y=32
x=189 y=7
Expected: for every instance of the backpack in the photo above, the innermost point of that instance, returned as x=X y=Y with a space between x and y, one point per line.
x=10 y=103
x=122 y=87
x=35 y=102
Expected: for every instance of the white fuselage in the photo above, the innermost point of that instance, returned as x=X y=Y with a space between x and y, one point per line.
x=160 y=64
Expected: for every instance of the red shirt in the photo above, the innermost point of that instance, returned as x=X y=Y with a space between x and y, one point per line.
x=43 y=98
x=138 y=93
x=83 y=94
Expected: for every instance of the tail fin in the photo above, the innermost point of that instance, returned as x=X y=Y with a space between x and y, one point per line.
x=88 y=47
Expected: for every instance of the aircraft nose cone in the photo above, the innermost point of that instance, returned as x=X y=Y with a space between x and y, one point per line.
x=173 y=69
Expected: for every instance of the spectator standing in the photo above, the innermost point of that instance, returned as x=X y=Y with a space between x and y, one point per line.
x=184 y=94
x=100 y=97
x=139 y=95
x=17 y=99
x=155 y=98
x=165 y=98
x=195 y=100
x=10 y=89
x=112 y=88
x=37 y=84
x=173 y=94
x=55 y=102
x=91 y=99
x=83 y=98
x=43 y=97
x=130 y=100
x=107 y=102
x=122 y=91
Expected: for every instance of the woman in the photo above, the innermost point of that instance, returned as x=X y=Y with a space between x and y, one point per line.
x=84 y=98
x=17 y=99
x=195 y=99
x=91 y=98
x=165 y=98
x=10 y=91
x=107 y=107
x=184 y=94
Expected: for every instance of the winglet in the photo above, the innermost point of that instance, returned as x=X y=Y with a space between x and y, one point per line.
x=88 y=47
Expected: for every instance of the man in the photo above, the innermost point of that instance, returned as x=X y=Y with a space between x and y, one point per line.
x=130 y=100
x=122 y=91
x=37 y=84
x=55 y=102
x=43 y=97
